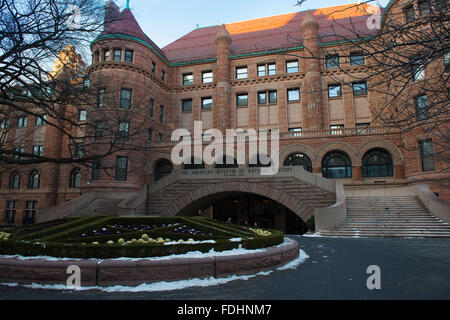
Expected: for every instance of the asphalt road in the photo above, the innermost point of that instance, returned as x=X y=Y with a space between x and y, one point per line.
x=336 y=269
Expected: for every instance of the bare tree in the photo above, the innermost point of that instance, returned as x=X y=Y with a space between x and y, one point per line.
x=93 y=118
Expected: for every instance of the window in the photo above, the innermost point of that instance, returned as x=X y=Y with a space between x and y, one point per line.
x=22 y=122
x=409 y=14
x=418 y=72
x=422 y=110
x=356 y=59
x=121 y=168
x=40 y=121
x=336 y=129
x=34 y=181
x=336 y=164
x=161 y=114
x=186 y=105
x=334 y=91
x=124 y=130
x=78 y=152
x=267 y=69
x=193 y=164
x=262 y=97
x=37 y=150
x=292 y=66
x=207 y=76
x=106 y=56
x=96 y=56
x=296 y=132
x=29 y=216
x=424 y=8
x=242 y=100
x=96 y=167
x=441 y=5
x=427 y=155
x=332 y=62
x=18 y=150
x=188 y=78
x=363 y=127
x=160 y=136
x=207 y=103
x=10 y=212
x=241 y=72
x=377 y=163
x=14 y=181
x=293 y=94
x=273 y=97
x=128 y=56
x=151 y=107
x=75 y=178
x=82 y=115
x=447 y=62
x=99 y=126
x=101 y=101
x=360 y=89
x=149 y=134
x=4 y=124
x=163 y=75
x=125 y=99
x=153 y=66
x=117 y=54
x=299 y=159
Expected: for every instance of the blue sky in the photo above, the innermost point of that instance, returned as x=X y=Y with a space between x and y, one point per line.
x=164 y=21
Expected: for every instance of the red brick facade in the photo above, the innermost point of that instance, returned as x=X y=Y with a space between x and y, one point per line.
x=314 y=112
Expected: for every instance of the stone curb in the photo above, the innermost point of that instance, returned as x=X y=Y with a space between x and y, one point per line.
x=134 y=272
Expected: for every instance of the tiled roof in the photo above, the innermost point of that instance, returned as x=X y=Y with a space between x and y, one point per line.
x=258 y=35
x=271 y=33
x=126 y=24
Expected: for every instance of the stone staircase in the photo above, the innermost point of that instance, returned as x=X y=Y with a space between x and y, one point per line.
x=388 y=217
x=99 y=207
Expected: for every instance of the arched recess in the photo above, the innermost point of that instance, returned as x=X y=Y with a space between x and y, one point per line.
x=391 y=148
x=299 y=148
x=227 y=162
x=338 y=146
x=209 y=190
x=152 y=162
x=163 y=168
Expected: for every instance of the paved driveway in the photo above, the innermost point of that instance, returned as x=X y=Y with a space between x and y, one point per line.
x=336 y=269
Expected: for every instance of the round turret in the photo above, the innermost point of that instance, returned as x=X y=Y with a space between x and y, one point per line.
x=223 y=35
x=309 y=21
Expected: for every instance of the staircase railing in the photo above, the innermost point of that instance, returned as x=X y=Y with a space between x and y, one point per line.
x=330 y=217
x=436 y=206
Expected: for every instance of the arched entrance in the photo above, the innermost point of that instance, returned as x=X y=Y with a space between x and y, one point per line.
x=247 y=209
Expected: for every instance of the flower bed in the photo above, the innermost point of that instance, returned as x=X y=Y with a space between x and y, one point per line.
x=135 y=237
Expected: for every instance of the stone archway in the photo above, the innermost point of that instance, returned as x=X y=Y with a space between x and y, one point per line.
x=283 y=198
x=300 y=148
x=338 y=146
x=391 y=148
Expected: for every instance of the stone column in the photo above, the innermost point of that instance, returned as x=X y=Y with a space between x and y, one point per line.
x=222 y=105
x=357 y=173
x=312 y=102
x=399 y=171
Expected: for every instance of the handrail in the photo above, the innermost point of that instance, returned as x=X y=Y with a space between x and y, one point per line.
x=330 y=217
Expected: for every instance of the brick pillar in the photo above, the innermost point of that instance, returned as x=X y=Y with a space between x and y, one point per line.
x=357 y=173
x=222 y=109
x=312 y=103
x=399 y=171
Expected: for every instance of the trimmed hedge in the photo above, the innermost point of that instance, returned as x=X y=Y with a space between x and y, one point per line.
x=65 y=241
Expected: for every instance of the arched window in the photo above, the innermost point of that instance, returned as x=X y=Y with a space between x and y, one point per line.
x=299 y=159
x=193 y=165
x=377 y=163
x=259 y=163
x=336 y=164
x=14 y=181
x=34 y=181
x=75 y=178
x=163 y=168
x=231 y=163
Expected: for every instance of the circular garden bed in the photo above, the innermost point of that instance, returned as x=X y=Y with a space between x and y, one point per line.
x=132 y=237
